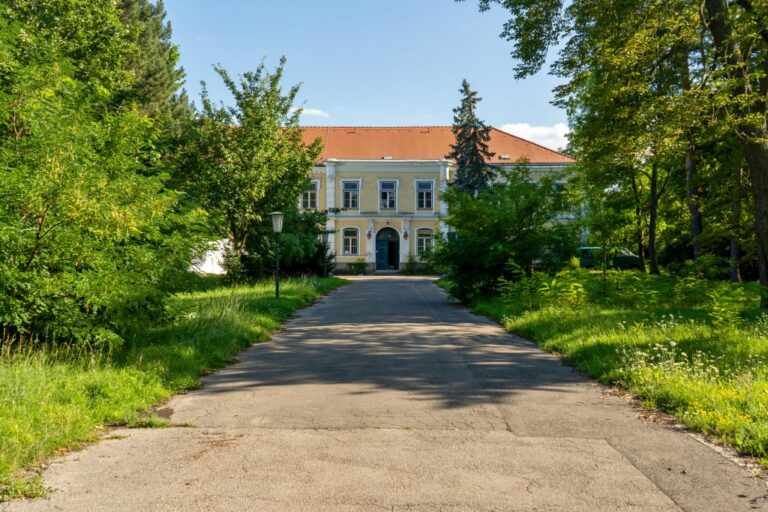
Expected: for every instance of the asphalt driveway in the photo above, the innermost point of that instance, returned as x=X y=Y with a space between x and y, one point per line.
x=386 y=396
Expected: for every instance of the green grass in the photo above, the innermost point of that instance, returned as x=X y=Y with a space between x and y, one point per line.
x=57 y=399
x=694 y=348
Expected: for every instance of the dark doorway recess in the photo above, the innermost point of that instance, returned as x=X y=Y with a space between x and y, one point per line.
x=387 y=249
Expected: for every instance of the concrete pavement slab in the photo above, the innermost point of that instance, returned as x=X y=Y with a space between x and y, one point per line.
x=319 y=470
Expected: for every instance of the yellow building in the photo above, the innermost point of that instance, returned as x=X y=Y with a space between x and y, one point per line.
x=382 y=187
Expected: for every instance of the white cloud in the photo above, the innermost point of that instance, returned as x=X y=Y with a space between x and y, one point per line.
x=314 y=112
x=553 y=137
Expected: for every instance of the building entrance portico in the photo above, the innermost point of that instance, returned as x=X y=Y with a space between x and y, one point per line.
x=387 y=249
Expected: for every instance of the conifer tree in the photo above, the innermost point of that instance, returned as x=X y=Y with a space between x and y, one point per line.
x=471 y=148
x=157 y=76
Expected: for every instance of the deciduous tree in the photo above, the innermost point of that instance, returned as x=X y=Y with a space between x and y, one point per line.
x=249 y=158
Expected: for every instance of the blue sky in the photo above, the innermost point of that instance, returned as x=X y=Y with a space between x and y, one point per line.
x=369 y=62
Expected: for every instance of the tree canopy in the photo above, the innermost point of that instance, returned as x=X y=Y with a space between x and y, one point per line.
x=667 y=103
x=249 y=157
x=91 y=237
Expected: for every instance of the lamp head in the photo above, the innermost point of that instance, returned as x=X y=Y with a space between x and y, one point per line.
x=277 y=222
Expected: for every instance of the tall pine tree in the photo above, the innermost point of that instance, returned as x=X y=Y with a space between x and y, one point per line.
x=157 y=76
x=471 y=148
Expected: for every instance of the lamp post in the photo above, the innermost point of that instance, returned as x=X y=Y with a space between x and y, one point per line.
x=277 y=227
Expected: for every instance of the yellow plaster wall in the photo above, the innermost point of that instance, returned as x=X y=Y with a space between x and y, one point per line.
x=368 y=247
x=406 y=192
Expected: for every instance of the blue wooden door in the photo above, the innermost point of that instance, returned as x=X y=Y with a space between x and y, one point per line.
x=387 y=249
x=381 y=254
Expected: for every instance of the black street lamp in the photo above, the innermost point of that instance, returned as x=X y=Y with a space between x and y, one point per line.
x=277 y=227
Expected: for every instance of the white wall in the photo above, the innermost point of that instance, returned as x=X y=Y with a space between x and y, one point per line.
x=212 y=262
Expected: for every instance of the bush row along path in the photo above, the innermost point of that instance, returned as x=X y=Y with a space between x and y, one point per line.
x=384 y=395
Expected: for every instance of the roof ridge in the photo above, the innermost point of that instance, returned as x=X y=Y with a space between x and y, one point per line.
x=380 y=127
x=421 y=133
x=532 y=142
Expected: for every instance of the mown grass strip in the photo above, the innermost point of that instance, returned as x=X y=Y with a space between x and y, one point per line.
x=53 y=400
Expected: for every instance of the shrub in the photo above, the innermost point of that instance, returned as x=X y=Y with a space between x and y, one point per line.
x=512 y=221
x=358 y=267
x=303 y=250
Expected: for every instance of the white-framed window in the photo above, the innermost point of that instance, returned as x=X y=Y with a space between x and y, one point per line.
x=387 y=195
x=350 y=242
x=309 y=196
x=350 y=195
x=425 y=240
x=424 y=195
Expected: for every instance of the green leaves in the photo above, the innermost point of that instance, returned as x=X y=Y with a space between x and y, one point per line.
x=508 y=226
x=662 y=93
x=90 y=232
x=249 y=157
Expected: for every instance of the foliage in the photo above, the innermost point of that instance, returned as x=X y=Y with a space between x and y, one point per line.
x=60 y=397
x=157 y=83
x=470 y=151
x=248 y=159
x=303 y=250
x=358 y=267
x=417 y=266
x=666 y=99
x=512 y=223
x=91 y=239
x=705 y=361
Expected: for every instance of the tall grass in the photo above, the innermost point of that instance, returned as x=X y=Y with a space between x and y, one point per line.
x=58 y=397
x=695 y=348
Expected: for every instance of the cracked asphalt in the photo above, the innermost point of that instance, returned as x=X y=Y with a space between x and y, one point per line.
x=386 y=396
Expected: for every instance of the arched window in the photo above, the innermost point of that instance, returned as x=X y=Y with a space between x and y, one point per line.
x=351 y=242
x=424 y=241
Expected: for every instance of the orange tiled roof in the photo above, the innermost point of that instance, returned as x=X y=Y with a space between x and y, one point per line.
x=420 y=143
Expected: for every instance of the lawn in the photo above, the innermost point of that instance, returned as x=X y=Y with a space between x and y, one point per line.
x=52 y=400
x=695 y=348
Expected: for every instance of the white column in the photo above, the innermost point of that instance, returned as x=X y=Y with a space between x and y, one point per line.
x=331 y=226
x=370 y=243
x=444 y=168
x=330 y=185
x=330 y=202
x=405 y=245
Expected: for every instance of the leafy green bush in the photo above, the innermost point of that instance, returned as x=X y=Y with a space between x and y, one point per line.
x=303 y=251
x=92 y=239
x=415 y=266
x=358 y=267
x=510 y=222
x=526 y=293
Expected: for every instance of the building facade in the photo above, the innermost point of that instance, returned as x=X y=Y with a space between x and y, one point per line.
x=383 y=186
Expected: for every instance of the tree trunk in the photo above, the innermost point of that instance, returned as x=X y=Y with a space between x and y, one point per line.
x=691 y=167
x=239 y=236
x=691 y=178
x=736 y=230
x=719 y=23
x=736 y=211
x=639 y=233
x=640 y=240
x=757 y=158
x=653 y=214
